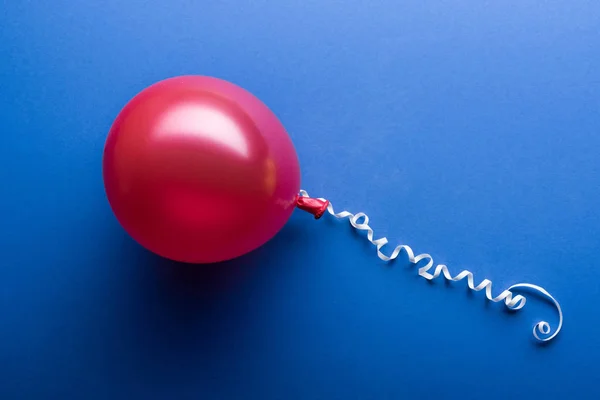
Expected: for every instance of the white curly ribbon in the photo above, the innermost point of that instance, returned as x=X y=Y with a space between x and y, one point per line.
x=360 y=221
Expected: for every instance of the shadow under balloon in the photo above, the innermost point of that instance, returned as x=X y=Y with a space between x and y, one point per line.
x=184 y=319
x=212 y=280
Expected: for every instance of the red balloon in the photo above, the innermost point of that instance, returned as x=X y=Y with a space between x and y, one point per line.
x=198 y=170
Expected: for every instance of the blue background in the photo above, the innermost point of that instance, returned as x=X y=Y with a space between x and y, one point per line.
x=467 y=129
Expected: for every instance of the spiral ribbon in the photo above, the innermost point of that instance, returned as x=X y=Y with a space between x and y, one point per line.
x=541 y=330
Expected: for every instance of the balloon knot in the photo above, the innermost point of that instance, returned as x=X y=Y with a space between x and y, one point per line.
x=316 y=207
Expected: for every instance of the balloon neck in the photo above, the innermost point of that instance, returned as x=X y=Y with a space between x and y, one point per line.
x=316 y=207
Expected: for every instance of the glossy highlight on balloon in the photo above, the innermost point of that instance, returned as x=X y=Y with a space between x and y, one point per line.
x=198 y=170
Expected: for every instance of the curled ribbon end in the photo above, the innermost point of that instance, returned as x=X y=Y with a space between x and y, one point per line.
x=541 y=330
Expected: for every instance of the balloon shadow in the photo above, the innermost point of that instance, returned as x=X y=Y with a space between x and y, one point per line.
x=183 y=319
x=200 y=281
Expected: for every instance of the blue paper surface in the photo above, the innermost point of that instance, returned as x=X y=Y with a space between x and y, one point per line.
x=469 y=130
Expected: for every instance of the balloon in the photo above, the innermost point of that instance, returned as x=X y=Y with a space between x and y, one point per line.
x=198 y=170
